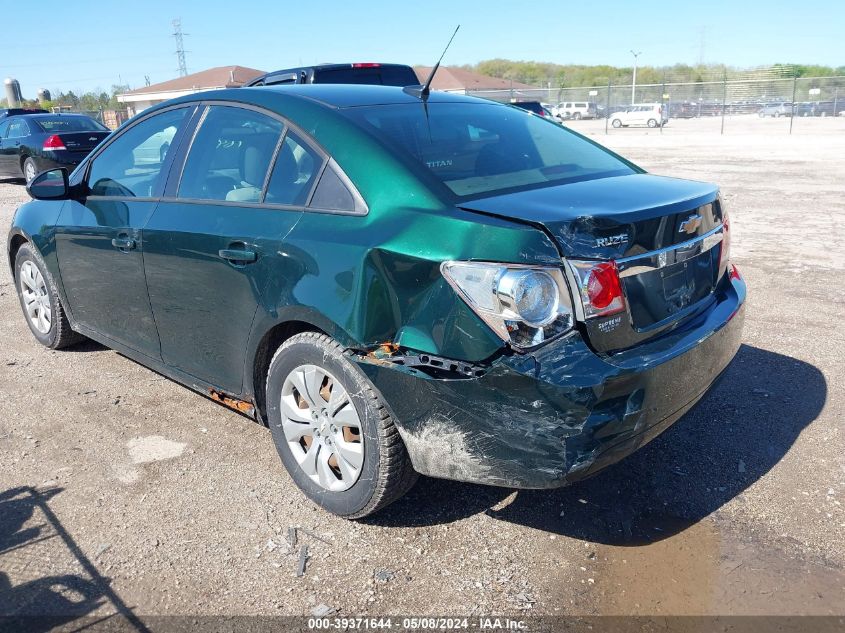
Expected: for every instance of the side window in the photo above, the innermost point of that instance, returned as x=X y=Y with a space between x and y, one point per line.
x=333 y=194
x=230 y=155
x=131 y=164
x=4 y=127
x=297 y=167
x=17 y=129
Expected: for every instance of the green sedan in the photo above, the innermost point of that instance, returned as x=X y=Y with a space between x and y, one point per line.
x=394 y=283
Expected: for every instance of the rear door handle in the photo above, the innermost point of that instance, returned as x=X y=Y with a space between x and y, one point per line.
x=237 y=256
x=123 y=243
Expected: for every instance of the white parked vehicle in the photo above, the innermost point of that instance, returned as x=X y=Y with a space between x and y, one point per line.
x=650 y=114
x=577 y=110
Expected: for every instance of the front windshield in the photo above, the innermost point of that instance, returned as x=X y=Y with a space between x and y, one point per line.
x=479 y=148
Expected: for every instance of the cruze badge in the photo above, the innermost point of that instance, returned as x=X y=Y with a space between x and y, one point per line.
x=613 y=240
x=690 y=225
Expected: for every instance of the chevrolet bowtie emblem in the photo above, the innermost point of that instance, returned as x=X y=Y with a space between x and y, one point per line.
x=690 y=225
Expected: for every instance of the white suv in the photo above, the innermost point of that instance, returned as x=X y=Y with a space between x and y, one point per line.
x=576 y=110
x=650 y=114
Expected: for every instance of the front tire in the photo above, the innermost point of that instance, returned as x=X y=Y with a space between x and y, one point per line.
x=616 y=123
x=652 y=123
x=333 y=432
x=40 y=301
x=577 y=116
x=30 y=170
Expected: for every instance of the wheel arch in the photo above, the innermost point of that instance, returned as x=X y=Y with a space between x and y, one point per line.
x=17 y=239
x=265 y=348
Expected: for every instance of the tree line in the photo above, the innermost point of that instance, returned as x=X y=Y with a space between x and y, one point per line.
x=92 y=101
x=574 y=76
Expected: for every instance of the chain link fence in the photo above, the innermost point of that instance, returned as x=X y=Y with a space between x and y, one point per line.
x=720 y=102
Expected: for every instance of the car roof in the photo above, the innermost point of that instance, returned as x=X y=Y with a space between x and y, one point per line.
x=345 y=95
x=329 y=66
x=332 y=66
x=50 y=115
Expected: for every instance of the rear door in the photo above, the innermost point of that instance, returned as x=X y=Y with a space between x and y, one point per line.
x=638 y=115
x=99 y=240
x=212 y=242
x=15 y=136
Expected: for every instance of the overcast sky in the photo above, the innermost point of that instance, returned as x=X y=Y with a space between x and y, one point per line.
x=86 y=45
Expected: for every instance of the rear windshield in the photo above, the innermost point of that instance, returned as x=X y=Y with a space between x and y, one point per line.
x=379 y=75
x=478 y=148
x=69 y=124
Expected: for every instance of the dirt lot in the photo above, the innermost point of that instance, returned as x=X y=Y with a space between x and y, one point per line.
x=122 y=491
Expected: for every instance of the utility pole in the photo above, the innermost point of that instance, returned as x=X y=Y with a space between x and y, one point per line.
x=180 y=46
x=634 y=84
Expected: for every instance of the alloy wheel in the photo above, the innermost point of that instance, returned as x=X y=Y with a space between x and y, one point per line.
x=322 y=428
x=36 y=298
x=28 y=171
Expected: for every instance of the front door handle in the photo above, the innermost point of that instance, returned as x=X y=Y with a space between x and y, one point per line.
x=237 y=256
x=123 y=243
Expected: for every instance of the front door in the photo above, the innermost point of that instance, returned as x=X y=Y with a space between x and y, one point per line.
x=211 y=246
x=10 y=166
x=100 y=242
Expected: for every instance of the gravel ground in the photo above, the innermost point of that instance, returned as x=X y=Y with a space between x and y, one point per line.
x=122 y=491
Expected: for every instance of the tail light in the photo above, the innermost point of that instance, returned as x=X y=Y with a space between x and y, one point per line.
x=600 y=287
x=365 y=65
x=54 y=142
x=524 y=305
x=734 y=273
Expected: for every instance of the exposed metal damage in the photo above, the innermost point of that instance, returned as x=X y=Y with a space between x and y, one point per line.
x=241 y=406
x=437 y=366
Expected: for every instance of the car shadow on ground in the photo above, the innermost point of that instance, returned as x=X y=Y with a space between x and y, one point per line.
x=34 y=602
x=86 y=345
x=735 y=435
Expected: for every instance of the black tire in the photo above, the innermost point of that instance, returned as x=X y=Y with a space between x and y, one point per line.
x=616 y=123
x=29 y=169
x=577 y=116
x=386 y=473
x=652 y=123
x=60 y=333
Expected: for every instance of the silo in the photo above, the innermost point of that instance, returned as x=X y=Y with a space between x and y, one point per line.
x=13 y=92
x=43 y=95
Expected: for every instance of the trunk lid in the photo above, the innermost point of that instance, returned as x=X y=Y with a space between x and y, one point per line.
x=82 y=141
x=662 y=232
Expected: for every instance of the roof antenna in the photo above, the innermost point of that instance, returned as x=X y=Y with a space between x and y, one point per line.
x=423 y=90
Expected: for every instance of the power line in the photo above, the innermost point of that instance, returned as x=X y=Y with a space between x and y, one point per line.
x=180 y=46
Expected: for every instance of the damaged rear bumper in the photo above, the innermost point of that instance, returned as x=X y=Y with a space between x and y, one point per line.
x=561 y=413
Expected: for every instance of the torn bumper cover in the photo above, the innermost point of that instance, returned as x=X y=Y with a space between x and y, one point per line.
x=561 y=413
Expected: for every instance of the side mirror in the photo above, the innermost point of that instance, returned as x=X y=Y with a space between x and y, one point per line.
x=50 y=185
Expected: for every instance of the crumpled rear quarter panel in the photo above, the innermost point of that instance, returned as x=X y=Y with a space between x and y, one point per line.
x=560 y=413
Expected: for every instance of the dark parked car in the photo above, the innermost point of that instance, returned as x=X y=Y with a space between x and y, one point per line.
x=31 y=143
x=682 y=110
x=533 y=106
x=462 y=290
x=355 y=73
